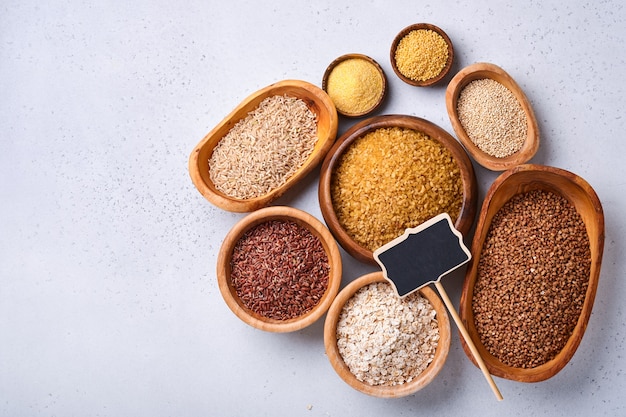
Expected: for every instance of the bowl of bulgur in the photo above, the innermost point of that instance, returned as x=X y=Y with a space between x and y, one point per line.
x=421 y=54
x=389 y=173
x=530 y=286
x=267 y=144
x=384 y=345
x=279 y=269
x=492 y=117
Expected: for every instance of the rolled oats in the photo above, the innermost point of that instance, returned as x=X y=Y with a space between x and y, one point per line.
x=385 y=340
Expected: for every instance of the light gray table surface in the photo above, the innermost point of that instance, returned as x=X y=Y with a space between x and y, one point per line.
x=109 y=304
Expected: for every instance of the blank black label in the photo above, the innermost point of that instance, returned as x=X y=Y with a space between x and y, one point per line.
x=422 y=255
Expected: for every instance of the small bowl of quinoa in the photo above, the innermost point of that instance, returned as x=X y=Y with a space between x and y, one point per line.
x=383 y=345
x=279 y=269
x=492 y=117
x=421 y=54
x=393 y=172
x=530 y=286
x=356 y=83
x=266 y=145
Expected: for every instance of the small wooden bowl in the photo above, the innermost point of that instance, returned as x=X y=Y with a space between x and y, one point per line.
x=224 y=268
x=468 y=210
x=327 y=120
x=382 y=391
x=518 y=180
x=375 y=64
x=481 y=71
x=406 y=31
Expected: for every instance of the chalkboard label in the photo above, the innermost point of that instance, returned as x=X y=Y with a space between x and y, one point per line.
x=422 y=255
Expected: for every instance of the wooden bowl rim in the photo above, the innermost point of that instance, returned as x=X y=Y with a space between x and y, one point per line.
x=288 y=214
x=406 y=31
x=372 y=61
x=595 y=213
x=470 y=188
x=482 y=70
x=396 y=391
x=327 y=124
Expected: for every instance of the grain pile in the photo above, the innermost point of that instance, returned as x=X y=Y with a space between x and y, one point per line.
x=532 y=279
x=263 y=150
x=385 y=340
x=279 y=269
x=355 y=86
x=492 y=117
x=391 y=179
x=421 y=55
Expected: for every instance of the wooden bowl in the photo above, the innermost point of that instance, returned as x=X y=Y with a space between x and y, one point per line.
x=406 y=31
x=375 y=65
x=224 y=268
x=468 y=210
x=384 y=391
x=518 y=180
x=317 y=101
x=481 y=71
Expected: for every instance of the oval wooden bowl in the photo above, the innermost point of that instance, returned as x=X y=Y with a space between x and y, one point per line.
x=406 y=31
x=468 y=210
x=332 y=350
x=342 y=58
x=317 y=101
x=518 y=180
x=224 y=268
x=480 y=71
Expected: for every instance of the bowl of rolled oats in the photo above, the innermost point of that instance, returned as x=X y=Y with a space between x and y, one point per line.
x=383 y=345
x=279 y=269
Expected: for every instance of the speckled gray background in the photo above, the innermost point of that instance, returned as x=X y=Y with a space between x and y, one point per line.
x=108 y=298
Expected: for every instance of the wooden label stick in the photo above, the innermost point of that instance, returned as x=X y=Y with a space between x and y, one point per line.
x=423 y=255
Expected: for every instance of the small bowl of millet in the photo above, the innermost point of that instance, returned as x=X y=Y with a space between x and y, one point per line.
x=421 y=54
x=279 y=269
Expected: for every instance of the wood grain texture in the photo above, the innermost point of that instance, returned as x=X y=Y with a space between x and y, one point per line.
x=579 y=193
x=327 y=120
x=287 y=214
x=486 y=70
x=468 y=210
x=332 y=351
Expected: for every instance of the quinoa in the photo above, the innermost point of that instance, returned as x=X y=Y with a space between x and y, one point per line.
x=492 y=117
x=264 y=149
x=385 y=340
x=392 y=179
x=532 y=279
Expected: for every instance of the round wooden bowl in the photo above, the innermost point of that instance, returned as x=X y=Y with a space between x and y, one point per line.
x=468 y=210
x=406 y=31
x=317 y=101
x=480 y=71
x=518 y=180
x=383 y=391
x=375 y=64
x=224 y=268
